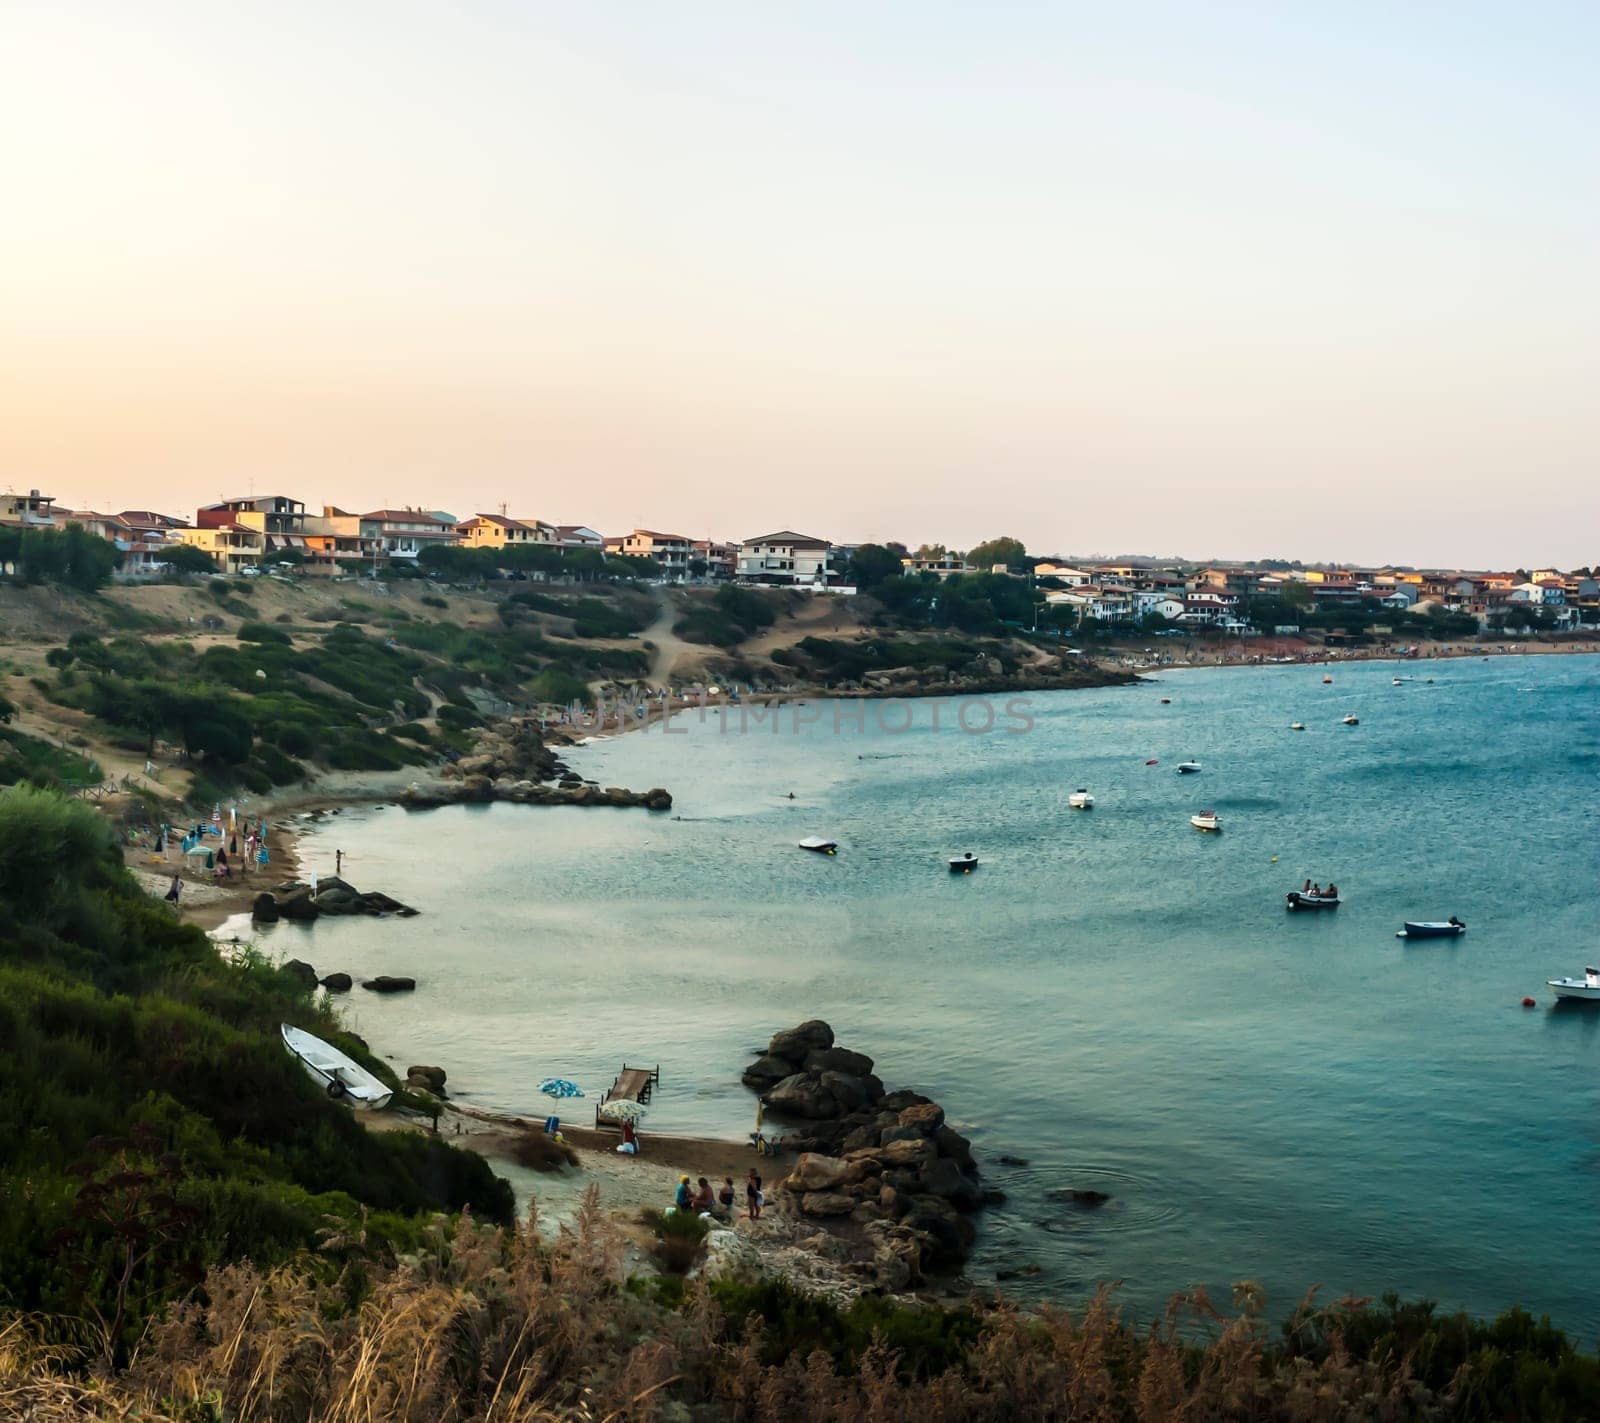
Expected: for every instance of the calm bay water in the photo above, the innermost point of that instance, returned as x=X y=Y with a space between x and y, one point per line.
x=1296 y=1099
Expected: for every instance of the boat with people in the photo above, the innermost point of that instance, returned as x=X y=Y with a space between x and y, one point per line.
x=1578 y=990
x=1206 y=820
x=1188 y=768
x=1313 y=897
x=819 y=846
x=1350 y=721
x=341 y=1076
x=1080 y=799
x=1432 y=928
x=964 y=864
x=1326 y=679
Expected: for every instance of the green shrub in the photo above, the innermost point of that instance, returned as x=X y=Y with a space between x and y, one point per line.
x=262 y=632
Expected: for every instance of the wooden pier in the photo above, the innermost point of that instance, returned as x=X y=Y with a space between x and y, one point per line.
x=633 y=1084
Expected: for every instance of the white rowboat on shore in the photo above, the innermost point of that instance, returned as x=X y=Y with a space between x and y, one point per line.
x=340 y=1076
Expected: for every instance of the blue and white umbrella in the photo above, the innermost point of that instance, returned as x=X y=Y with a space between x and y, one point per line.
x=560 y=1087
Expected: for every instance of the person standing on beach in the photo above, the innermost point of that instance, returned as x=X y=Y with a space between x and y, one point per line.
x=175 y=890
x=753 y=1198
x=726 y=1195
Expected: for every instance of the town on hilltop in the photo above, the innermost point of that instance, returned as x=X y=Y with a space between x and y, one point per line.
x=253 y=534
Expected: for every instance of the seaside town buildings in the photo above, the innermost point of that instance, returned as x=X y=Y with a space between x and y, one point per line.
x=252 y=533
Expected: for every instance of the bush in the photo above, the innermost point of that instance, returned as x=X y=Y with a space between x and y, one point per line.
x=539 y=1152
x=434 y=601
x=680 y=1238
x=262 y=632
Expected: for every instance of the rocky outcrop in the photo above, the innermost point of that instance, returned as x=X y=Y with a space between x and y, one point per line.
x=510 y=761
x=300 y=970
x=889 y=1161
x=470 y=788
x=337 y=983
x=429 y=1079
x=385 y=983
x=332 y=895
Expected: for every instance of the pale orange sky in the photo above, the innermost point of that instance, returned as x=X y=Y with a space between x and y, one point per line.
x=1236 y=281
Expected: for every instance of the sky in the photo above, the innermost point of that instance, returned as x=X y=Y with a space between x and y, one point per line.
x=1223 y=279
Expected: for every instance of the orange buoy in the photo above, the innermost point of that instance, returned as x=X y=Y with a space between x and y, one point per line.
x=1528 y=1003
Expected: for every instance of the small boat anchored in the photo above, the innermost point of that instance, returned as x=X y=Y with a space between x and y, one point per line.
x=1581 y=990
x=1297 y=726
x=1349 y=721
x=964 y=864
x=1080 y=799
x=1432 y=929
x=1206 y=820
x=817 y=845
x=339 y=1075
x=1300 y=899
x=1188 y=768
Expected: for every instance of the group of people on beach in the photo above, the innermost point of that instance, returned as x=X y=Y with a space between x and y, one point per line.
x=702 y=1199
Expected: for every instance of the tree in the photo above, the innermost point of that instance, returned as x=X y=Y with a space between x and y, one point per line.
x=698 y=568
x=930 y=553
x=1007 y=552
x=8 y=709
x=1297 y=594
x=871 y=564
x=186 y=558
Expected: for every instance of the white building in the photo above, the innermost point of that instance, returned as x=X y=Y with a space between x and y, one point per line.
x=404 y=533
x=785 y=557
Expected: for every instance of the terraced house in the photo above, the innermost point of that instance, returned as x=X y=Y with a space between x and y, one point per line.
x=500 y=531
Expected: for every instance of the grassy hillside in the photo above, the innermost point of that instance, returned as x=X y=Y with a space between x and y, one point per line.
x=151 y=1122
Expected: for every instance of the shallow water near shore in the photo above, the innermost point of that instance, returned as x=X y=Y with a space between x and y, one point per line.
x=1294 y=1099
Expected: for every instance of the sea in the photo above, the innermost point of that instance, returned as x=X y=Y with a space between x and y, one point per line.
x=1112 y=1001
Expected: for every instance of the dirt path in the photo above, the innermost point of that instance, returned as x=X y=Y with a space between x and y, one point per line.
x=670 y=651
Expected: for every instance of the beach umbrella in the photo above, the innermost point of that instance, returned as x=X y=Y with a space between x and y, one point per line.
x=560 y=1087
x=198 y=848
x=623 y=1110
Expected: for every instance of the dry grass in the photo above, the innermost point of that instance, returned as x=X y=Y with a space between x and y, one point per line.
x=489 y=1325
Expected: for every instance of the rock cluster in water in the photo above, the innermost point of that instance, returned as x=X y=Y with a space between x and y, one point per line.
x=886 y=1161
x=511 y=762
x=332 y=895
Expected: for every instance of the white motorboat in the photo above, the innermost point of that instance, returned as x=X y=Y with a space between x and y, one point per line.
x=817 y=845
x=341 y=1076
x=1206 y=820
x=1583 y=990
x=1080 y=799
x=963 y=864
x=1350 y=721
x=1297 y=726
x=1188 y=768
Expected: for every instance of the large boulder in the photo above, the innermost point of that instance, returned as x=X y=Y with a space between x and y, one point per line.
x=302 y=972
x=797 y=1043
x=803 y=1096
x=826 y=1203
x=297 y=904
x=838 y=1059
x=815 y=1173
x=337 y=983
x=339 y=899
x=386 y=983
x=658 y=799
x=432 y=1078
x=768 y=1071
x=732 y=1256
x=945 y=1179
x=926 y=1117
x=849 y=1092
x=265 y=909
x=951 y=1143
x=915 y=1154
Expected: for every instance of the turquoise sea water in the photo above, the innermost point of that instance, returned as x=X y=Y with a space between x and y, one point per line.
x=1295 y=1099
